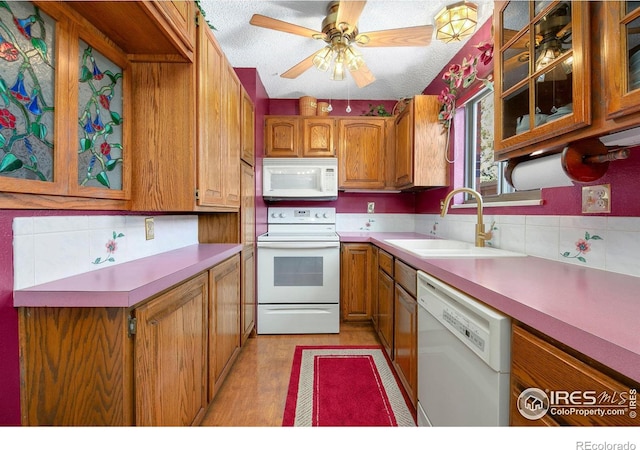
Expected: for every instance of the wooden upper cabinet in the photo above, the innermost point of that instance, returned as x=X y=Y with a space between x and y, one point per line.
x=622 y=57
x=318 y=137
x=248 y=129
x=542 y=73
x=420 y=145
x=299 y=136
x=155 y=30
x=210 y=65
x=362 y=153
x=281 y=136
x=231 y=136
x=65 y=134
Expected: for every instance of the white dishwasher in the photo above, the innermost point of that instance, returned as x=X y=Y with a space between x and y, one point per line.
x=463 y=358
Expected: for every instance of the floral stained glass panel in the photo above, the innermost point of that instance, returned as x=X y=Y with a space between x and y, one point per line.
x=99 y=121
x=27 y=73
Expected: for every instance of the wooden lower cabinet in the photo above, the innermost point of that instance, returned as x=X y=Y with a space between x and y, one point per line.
x=170 y=355
x=146 y=365
x=248 y=293
x=224 y=321
x=568 y=382
x=405 y=354
x=356 y=282
x=385 y=301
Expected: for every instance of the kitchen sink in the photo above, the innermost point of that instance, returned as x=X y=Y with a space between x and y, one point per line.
x=448 y=248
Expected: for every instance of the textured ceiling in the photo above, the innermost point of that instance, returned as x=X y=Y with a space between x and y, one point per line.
x=399 y=71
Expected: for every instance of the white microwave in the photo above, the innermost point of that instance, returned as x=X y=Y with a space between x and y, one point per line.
x=300 y=178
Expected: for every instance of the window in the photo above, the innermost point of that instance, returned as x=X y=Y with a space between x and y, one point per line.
x=482 y=173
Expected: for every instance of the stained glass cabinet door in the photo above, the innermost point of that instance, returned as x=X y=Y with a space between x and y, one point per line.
x=53 y=76
x=30 y=157
x=101 y=120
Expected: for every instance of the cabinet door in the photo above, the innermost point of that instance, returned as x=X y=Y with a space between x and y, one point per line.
x=404 y=148
x=224 y=320
x=536 y=363
x=179 y=15
x=361 y=153
x=248 y=129
x=75 y=367
x=247 y=210
x=318 y=137
x=356 y=282
x=406 y=341
x=385 y=310
x=231 y=136
x=542 y=86
x=248 y=312
x=282 y=137
x=170 y=356
x=210 y=66
x=622 y=57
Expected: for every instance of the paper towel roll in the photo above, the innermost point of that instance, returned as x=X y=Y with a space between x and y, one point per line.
x=540 y=173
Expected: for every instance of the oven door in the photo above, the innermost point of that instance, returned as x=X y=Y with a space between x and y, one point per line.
x=298 y=272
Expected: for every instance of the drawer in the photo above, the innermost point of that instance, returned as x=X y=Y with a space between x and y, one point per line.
x=406 y=276
x=385 y=261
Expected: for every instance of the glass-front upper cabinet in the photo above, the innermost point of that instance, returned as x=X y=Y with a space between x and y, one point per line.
x=542 y=72
x=622 y=57
x=63 y=97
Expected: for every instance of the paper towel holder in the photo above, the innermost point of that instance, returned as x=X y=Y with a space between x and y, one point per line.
x=588 y=160
x=582 y=161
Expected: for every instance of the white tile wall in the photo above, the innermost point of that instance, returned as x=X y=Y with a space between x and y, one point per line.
x=50 y=248
x=613 y=242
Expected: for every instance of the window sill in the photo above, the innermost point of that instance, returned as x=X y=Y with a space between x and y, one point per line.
x=536 y=202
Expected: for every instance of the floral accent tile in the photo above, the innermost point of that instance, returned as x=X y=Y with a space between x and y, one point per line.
x=111 y=247
x=583 y=246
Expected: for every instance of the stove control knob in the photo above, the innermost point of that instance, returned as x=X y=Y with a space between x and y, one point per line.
x=325 y=215
x=282 y=215
x=317 y=215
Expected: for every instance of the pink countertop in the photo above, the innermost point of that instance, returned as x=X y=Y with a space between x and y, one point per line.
x=592 y=311
x=126 y=284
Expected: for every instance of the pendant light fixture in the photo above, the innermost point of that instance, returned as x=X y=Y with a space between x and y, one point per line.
x=456 y=21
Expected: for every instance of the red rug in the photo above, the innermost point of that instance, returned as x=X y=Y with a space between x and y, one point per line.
x=345 y=386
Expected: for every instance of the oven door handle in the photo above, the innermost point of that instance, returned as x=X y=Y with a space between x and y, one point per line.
x=298 y=244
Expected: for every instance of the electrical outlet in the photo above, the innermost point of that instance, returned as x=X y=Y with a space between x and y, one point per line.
x=371 y=206
x=596 y=199
x=148 y=228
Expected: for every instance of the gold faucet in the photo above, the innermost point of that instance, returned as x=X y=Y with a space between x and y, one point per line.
x=481 y=234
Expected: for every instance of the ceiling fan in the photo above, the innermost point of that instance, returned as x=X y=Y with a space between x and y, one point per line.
x=340 y=32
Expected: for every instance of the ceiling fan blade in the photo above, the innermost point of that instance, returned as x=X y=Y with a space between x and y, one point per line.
x=400 y=37
x=363 y=76
x=301 y=67
x=349 y=13
x=279 y=25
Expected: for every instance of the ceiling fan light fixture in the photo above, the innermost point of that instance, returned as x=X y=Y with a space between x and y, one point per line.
x=456 y=21
x=338 y=68
x=353 y=58
x=322 y=60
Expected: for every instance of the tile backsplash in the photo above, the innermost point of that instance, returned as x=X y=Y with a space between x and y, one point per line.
x=50 y=248
x=607 y=243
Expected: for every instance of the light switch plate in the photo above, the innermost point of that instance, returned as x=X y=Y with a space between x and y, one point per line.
x=596 y=199
x=148 y=228
x=371 y=207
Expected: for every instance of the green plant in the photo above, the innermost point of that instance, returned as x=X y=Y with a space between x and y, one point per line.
x=377 y=111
